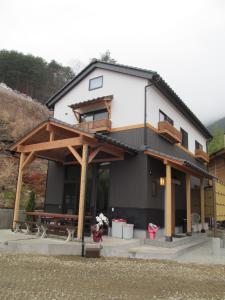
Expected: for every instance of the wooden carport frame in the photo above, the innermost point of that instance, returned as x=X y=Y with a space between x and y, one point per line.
x=178 y=164
x=55 y=140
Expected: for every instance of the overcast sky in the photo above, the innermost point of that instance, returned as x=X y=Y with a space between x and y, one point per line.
x=183 y=40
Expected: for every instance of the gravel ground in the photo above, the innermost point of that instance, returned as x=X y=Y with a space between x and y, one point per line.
x=42 y=277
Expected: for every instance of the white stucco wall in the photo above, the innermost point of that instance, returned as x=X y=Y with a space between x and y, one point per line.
x=156 y=102
x=127 y=103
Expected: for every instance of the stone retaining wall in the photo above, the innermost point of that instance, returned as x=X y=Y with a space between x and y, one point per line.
x=6 y=217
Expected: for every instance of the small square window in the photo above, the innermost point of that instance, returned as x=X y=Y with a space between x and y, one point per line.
x=95 y=83
x=164 y=117
x=198 y=146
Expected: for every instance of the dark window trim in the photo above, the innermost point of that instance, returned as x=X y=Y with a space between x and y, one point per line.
x=198 y=145
x=96 y=87
x=166 y=117
x=93 y=112
x=182 y=130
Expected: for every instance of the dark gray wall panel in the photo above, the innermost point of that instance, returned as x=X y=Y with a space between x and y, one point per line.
x=140 y=217
x=128 y=182
x=54 y=187
x=134 y=137
x=156 y=142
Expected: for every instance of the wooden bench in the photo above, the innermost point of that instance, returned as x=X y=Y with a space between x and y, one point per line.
x=48 y=228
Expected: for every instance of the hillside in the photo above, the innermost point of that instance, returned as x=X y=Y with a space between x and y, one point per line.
x=18 y=114
x=33 y=75
x=217 y=124
x=217 y=129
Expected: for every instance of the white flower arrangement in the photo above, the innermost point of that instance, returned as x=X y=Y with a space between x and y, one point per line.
x=101 y=220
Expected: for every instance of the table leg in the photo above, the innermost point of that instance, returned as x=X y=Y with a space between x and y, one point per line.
x=70 y=234
x=28 y=228
x=38 y=233
x=44 y=229
x=18 y=228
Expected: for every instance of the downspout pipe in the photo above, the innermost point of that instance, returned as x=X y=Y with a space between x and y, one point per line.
x=145 y=115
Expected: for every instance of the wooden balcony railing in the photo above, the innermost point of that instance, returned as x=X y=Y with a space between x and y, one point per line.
x=97 y=125
x=169 y=132
x=201 y=155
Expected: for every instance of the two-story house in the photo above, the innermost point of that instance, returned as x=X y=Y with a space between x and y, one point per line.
x=123 y=143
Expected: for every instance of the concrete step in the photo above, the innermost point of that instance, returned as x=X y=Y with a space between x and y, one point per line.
x=157 y=252
x=160 y=242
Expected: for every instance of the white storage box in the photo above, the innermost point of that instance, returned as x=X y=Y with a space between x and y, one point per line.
x=117 y=227
x=128 y=231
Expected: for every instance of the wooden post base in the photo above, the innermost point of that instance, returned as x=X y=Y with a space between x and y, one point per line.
x=168 y=238
x=188 y=234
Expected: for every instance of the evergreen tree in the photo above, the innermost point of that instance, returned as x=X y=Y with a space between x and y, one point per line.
x=32 y=75
x=30 y=204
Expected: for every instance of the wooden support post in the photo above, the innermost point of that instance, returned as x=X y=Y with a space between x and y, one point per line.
x=188 y=203
x=168 y=205
x=214 y=208
x=18 y=191
x=202 y=196
x=83 y=180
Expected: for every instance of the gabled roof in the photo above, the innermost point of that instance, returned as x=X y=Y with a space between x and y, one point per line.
x=152 y=76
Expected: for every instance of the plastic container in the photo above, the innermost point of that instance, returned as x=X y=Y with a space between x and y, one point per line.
x=128 y=231
x=152 y=230
x=117 y=227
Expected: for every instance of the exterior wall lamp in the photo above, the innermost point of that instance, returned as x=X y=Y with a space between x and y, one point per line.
x=162 y=181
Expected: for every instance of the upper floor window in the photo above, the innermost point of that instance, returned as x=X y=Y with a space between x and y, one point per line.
x=95 y=83
x=184 y=136
x=94 y=115
x=198 y=146
x=164 y=117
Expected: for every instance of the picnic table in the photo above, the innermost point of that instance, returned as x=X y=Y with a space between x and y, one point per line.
x=53 y=223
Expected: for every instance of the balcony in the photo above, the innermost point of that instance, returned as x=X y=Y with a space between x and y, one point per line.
x=202 y=155
x=169 y=132
x=97 y=125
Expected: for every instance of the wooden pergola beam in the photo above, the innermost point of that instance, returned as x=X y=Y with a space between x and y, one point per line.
x=75 y=154
x=93 y=154
x=98 y=160
x=111 y=150
x=64 y=143
x=28 y=160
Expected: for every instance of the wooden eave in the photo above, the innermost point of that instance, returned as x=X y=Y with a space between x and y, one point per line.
x=177 y=163
x=93 y=102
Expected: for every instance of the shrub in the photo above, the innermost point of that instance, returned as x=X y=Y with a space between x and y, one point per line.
x=30 y=205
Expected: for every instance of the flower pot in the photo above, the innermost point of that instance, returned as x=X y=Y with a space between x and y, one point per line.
x=97 y=235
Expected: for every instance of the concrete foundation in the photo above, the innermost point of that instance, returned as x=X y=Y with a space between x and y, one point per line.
x=197 y=248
